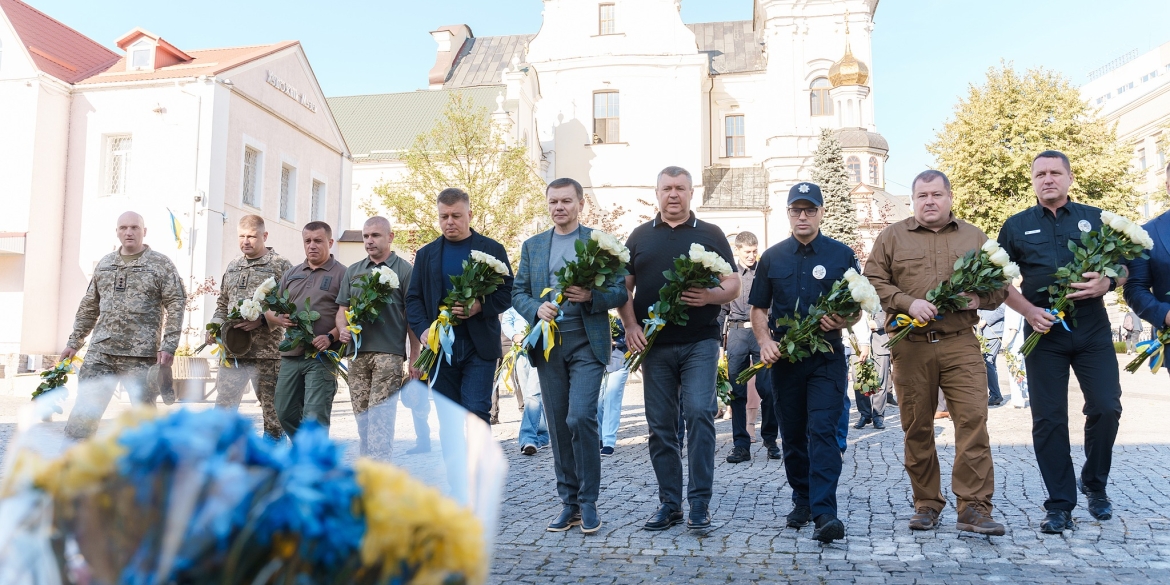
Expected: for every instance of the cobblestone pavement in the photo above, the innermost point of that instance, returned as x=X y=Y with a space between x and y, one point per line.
x=748 y=543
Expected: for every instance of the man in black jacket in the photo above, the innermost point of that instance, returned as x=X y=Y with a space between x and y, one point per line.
x=468 y=379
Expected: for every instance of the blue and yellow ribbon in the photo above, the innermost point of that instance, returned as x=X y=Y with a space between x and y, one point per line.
x=354 y=329
x=654 y=323
x=1059 y=319
x=904 y=320
x=546 y=332
x=440 y=335
x=1157 y=352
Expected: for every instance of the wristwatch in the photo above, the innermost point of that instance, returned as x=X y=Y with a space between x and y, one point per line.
x=332 y=339
x=1112 y=284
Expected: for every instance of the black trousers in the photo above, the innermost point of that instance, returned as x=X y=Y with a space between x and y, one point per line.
x=993 y=345
x=742 y=351
x=1088 y=349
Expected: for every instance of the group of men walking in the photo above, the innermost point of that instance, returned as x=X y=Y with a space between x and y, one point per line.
x=135 y=293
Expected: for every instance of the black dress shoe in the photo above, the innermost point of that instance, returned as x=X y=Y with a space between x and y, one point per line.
x=773 y=450
x=590 y=522
x=1099 y=505
x=664 y=518
x=861 y=422
x=878 y=423
x=891 y=399
x=699 y=517
x=828 y=528
x=570 y=517
x=799 y=516
x=1057 y=521
x=739 y=455
x=994 y=401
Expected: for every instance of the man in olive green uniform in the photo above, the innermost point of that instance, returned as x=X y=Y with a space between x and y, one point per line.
x=377 y=371
x=260 y=363
x=135 y=294
x=305 y=386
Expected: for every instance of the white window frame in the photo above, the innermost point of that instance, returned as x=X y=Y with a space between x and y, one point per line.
x=318 y=209
x=730 y=141
x=287 y=198
x=249 y=142
x=601 y=22
x=144 y=46
x=108 y=162
x=616 y=126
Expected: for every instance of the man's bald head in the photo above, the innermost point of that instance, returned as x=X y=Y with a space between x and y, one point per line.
x=378 y=235
x=131 y=232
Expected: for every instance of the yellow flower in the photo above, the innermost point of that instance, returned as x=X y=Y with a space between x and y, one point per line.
x=409 y=521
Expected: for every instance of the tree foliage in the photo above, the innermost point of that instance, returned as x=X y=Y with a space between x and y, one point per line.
x=840 y=221
x=987 y=148
x=465 y=150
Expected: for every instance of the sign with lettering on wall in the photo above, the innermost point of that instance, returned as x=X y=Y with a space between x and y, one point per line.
x=290 y=91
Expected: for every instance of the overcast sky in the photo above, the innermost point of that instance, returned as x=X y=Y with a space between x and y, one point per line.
x=926 y=52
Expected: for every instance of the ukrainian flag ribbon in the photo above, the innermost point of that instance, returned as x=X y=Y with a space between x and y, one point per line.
x=221 y=352
x=1157 y=352
x=355 y=330
x=902 y=320
x=654 y=323
x=1059 y=319
x=440 y=335
x=546 y=331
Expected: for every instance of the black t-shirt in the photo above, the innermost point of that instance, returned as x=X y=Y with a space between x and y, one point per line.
x=653 y=247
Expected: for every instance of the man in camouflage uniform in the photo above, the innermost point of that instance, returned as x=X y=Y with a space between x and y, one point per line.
x=260 y=363
x=135 y=294
x=377 y=371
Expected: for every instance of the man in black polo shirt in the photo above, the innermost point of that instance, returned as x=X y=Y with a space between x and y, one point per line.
x=681 y=368
x=742 y=350
x=1037 y=239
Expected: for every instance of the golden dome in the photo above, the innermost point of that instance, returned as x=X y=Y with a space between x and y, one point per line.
x=849 y=70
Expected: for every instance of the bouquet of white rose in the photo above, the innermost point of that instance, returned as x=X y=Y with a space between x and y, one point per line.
x=701 y=269
x=847 y=298
x=1102 y=251
x=372 y=292
x=244 y=310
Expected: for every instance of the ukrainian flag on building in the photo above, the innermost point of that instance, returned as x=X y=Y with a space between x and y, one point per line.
x=176 y=229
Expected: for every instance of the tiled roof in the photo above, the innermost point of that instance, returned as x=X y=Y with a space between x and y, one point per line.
x=738 y=188
x=483 y=59
x=862 y=138
x=382 y=125
x=204 y=62
x=56 y=49
x=732 y=46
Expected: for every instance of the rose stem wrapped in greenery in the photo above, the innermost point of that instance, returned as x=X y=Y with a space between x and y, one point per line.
x=699 y=269
x=599 y=262
x=804 y=337
x=978 y=272
x=723 y=382
x=375 y=290
x=1155 y=347
x=866 y=381
x=56 y=377
x=1102 y=251
x=482 y=275
x=301 y=332
x=244 y=310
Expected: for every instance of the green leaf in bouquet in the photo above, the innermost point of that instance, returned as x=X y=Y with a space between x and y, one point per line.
x=599 y=280
x=314 y=315
x=960 y=263
x=1072 y=245
x=1063 y=272
x=303 y=315
x=1109 y=247
x=1110 y=272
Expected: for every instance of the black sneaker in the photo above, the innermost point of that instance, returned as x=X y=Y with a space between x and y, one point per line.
x=1099 y=505
x=1057 y=521
x=528 y=449
x=773 y=450
x=828 y=528
x=861 y=422
x=664 y=518
x=799 y=516
x=699 y=517
x=570 y=517
x=606 y=451
x=739 y=455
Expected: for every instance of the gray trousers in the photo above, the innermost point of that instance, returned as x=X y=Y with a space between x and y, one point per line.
x=675 y=376
x=570 y=383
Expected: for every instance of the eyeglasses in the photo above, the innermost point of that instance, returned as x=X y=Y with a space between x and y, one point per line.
x=807 y=211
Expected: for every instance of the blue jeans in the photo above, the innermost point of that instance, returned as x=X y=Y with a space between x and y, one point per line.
x=676 y=377
x=533 y=425
x=993 y=346
x=609 y=407
x=467 y=380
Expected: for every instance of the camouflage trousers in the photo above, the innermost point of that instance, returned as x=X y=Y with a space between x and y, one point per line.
x=96 y=382
x=374 y=379
x=230 y=384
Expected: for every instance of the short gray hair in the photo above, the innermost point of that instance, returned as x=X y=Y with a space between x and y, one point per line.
x=673 y=171
x=381 y=222
x=931 y=175
x=453 y=195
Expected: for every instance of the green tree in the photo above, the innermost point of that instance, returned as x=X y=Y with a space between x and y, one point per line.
x=840 y=222
x=464 y=149
x=987 y=148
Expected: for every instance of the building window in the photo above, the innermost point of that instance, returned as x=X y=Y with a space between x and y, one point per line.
x=853 y=167
x=605 y=21
x=1141 y=159
x=1161 y=159
x=873 y=171
x=251 y=176
x=735 y=139
x=288 y=192
x=140 y=55
x=605 y=117
x=1123 y=88
x=819 y=102
x=117 y=164
x=320 y=195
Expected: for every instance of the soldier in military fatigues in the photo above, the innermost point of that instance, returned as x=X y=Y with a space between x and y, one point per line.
x=259 y=365
x=135 y=294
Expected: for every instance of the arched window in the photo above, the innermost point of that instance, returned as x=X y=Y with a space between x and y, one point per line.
x=819 y=102
x=853 y=167
x=873 y=178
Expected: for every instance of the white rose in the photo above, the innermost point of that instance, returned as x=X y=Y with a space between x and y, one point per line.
x=696 y=253
x=1107 y=217
x=851 y=276
x=388 y=277
x=1116 y=222
x=990 y=246
x=1011 y=271
x=249 y=309
x=265 y=287
x=1000 y=257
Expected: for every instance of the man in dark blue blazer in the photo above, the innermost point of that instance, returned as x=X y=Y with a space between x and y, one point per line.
x=1148 y=287
x=467 y=380
x=570 y=379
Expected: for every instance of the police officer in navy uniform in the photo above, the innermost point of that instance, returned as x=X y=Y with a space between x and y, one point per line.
x=1037 y=239
x=790 y=278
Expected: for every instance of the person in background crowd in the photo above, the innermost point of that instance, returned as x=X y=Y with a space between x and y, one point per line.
x=525 y=381
x=1131 y=327
x=1148 y=288
x=1013 y=341
x=613 y=389
x=872 y=408
x=991 y=326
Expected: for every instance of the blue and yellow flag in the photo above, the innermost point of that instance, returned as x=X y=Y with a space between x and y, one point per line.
x=176 y=229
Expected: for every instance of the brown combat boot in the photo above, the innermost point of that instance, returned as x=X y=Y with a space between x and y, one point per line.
x=924 y=519
x=975 y=519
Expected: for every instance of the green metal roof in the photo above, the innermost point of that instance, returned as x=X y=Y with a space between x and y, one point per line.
x=380 y=126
